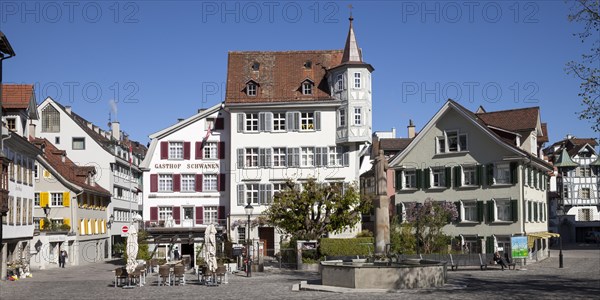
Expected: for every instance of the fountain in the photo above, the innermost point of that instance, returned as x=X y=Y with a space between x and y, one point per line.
x=388 y=274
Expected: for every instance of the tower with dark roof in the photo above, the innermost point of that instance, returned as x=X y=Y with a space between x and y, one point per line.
x=350 y=82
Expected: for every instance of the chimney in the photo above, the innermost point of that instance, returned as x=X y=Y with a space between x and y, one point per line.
x=411 y=129
x=32 y=129
x=68 y=109
x=179 y=120
x=569 y=136
x=63 y=156
x=393 y=132
x=116 y=130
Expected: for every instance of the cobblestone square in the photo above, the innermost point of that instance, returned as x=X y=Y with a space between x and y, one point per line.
x=579 y=279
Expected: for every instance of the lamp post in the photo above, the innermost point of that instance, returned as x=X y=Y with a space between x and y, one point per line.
x=249 y=210
x=46 y=210
x=111 y=219
x=46 y=213
x=559 y=213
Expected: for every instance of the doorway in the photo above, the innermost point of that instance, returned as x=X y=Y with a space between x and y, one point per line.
x=268 y=235
x=188 y=249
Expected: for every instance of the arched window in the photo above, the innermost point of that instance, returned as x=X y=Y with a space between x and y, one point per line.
x=50 y=119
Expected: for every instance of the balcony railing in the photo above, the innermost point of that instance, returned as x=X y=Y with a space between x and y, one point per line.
x=186 y=223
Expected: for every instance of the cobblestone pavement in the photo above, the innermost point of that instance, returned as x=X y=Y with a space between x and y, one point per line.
x=579 y=279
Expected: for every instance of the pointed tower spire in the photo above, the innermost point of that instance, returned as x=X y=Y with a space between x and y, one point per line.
x=351 y=51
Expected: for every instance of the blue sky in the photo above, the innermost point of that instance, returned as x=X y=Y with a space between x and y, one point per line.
x=161 y=60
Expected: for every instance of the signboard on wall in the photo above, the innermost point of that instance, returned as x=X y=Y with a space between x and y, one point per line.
x=519 y=247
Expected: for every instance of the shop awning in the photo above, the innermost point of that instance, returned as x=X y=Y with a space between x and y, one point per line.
x=539 y=235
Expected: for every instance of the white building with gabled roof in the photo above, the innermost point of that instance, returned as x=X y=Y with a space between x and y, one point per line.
x=107 y=151
x=186 y=184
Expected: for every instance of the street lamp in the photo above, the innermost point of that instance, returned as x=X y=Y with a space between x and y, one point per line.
x=111 y=219
x=46 y=210
x=559 y=214
x=248 y=210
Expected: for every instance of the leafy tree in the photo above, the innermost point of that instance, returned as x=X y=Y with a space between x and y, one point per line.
x=587 y=12
x=423 y=227
x=316 y=210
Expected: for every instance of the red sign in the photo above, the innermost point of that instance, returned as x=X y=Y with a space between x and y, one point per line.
x=124 y=229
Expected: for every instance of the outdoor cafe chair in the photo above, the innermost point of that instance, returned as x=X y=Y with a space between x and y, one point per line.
x=164 y=275
x=179 y=275
x=220 y=272
x=120 y=276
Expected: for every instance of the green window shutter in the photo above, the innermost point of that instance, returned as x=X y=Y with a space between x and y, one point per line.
x=490 y=174
x=491 y=206
x=529 y=212
x=514 y=205
x=514 y=176
x=535 y=179
x=479 y=174
x=489 y=244
x=419 y=174
x=398 y=180
x=448 y=175
x=399 y=212
x=535 y=212
x=457 y=176
x=426 y=179
x=529 y=179
x=480 y=211
x=457 y=204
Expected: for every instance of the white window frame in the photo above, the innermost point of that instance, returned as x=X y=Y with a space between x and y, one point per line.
x=307 y=88
x=440 y=173
x=279 y=122
x=211 y=215
x=50 y=119
x=164 y=212
x=251 y=192
x=209 y=183
x=501 y=173
x=307 y=121
x=188 y=182
x=342 y=117
x=357 y=116
x=410 y=179
x=209 y=150
x=469 y=175
x=469 y=211
x=251 y=89
x=307 y=156
x=336 y=156
x=251 y=122
x=165 y=182
x=503 y=210
x=251 y=157
x=585 y=193
x=279 y=157
x=357 y=80
x=175 y=150
x=56 y=199
x=443 y=143
x=339 y=80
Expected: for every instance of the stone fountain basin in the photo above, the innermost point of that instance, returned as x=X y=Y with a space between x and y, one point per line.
x=410 y=274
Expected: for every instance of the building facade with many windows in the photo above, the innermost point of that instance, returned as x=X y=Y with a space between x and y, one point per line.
x=69 y=211
x=577 y=181
x=114 y=156
x=487 y=164
x=294 y=115
x=186 y=181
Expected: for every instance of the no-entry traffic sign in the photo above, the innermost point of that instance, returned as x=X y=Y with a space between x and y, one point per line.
x=124 y=229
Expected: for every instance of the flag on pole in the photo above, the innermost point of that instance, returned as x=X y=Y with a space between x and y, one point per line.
x=208 y=132
x=130 y=155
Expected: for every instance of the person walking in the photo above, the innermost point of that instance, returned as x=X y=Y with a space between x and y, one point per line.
x=62 y=257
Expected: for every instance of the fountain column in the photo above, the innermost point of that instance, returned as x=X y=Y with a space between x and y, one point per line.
x=381 y=203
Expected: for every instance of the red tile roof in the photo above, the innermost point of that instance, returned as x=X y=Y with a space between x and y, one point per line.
x=544 y=137
x=512 y=120
x=280 y=75
x=68 y=169
x=16 y=95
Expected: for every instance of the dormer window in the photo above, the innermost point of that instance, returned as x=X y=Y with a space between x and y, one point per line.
x=308 y=64
x=251 y=88
x=307 y=88
x=340 y=82
x=255 y=66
